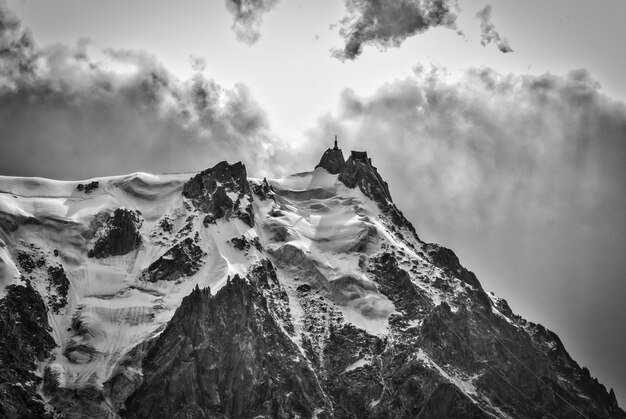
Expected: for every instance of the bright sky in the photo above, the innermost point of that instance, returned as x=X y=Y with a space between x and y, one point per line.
x=563 y=269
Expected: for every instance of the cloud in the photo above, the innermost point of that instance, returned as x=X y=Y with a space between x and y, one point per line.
x=381 y=23
x=387 y=23
x=80 y=111
x=248 y=17
x=487 y=138
x=16 y=47
x=488 y=31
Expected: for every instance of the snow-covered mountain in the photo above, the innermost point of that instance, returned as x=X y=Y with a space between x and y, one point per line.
x=218 y=295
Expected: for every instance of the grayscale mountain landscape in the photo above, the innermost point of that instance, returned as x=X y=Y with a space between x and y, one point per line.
x=294 y=209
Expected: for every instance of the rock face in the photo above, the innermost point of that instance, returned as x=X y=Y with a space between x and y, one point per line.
x=446 y=259
x=332 y=160
x=358 y=171
x=263 y=190
x=34 y=264
x=448 y=402
x=87 y=188
x=58 y=280
x=119 y=235
x=306 y=296
x=478 y=342
x=183 y=259
x=221 y=192
x=226 y=356
x=24 y=341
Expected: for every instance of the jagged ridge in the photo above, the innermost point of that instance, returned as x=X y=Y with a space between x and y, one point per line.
x=226 y=356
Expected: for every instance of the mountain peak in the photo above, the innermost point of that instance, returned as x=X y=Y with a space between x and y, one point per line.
x=332 y=159
x=221 y=192
x=357 y=171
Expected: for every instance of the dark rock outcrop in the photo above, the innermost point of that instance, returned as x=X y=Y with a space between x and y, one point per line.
x=33 y=263
x=24 y=340
x=352 y=370
x=332 y=160
x=27 y=263
x=118 y=235
x=184 y=259
x=263 y=190
x=226 y=356
x=34 y=266
x=446 y=259
x=88 y=188
x=358 y=171
x=395 y=284
x=513 y=362
x=166 y=224
x=512 y=371
x=244 y=244
x=447 y=401
x=209 y=192
x=579 y=378
x=58 y=280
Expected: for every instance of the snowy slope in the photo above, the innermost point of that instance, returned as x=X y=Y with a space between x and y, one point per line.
x=115 y=309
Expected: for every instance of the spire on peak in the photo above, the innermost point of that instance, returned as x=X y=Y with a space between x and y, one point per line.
x=332 y=159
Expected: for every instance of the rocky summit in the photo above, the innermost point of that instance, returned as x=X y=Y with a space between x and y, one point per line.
x=217 y=295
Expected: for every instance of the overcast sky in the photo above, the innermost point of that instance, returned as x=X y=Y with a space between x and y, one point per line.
x=500 y=126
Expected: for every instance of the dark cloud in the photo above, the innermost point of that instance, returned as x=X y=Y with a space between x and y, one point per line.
x=77 y=111
x=381 y=23
x=17 y=51
x=387 y=23
x=488 y=33
x=524 y=177
x=248 y=16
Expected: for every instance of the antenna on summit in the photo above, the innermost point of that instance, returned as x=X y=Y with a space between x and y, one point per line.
x=335 y=141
